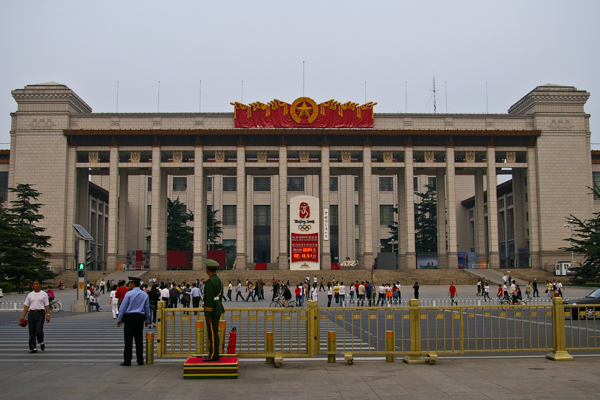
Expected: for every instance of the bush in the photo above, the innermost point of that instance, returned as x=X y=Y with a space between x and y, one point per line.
x=7 y=287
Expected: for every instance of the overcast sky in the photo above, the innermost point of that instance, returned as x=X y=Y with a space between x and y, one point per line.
x=514 y=46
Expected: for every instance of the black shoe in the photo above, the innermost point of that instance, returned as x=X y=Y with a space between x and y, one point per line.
x=126 y=364
x=140 y=363
x=208 y=359
x=43 y=346
x=33 y=351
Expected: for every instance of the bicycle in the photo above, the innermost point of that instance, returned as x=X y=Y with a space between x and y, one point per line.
x=507 y=301
x=278 y=302
x=56 y=306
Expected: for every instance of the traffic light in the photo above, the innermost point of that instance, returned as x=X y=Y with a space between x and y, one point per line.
x=81 y=267
x=88 y=259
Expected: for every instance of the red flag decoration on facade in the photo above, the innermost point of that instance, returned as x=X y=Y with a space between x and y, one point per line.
x=304 y=112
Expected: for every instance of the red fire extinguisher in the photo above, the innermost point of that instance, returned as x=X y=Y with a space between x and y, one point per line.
x=232 y=341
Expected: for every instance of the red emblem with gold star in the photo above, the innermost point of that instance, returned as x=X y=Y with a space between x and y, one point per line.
x=304 y=112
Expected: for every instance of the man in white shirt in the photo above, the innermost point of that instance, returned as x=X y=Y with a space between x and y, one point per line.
x=164 y=294
x=38 y=306
x=342 y=291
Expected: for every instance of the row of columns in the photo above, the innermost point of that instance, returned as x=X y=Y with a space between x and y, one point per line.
x=447 y=224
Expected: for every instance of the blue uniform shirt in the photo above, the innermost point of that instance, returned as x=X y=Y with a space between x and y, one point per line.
x=135 y=302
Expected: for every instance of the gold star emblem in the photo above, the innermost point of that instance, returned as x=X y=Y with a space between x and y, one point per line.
x=304 y=109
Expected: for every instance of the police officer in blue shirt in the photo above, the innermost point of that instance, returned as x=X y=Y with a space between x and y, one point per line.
x=134 y=311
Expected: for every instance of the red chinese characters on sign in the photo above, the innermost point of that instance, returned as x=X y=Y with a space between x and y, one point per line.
x=305 y=247
x=304 y=112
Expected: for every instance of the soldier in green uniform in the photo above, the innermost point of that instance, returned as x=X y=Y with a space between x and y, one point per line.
x=213 y=309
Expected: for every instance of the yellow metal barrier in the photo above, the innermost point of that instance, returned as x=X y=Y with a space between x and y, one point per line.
x=417 y=333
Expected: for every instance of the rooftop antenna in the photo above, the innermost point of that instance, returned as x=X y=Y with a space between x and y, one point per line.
x=242 y=92
x=434 y=90
x=117 y=96
x=158 y=106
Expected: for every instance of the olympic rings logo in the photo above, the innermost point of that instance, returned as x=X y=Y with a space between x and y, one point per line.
x=304 y=227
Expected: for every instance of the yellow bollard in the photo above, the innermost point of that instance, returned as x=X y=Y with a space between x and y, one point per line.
x=161 y=334
x=199 y=337
x=149 y=348
x=270 y=347
x=389 y=346
x=331 y=346
x=558 y=332
x=415 y=356
x=222 y=332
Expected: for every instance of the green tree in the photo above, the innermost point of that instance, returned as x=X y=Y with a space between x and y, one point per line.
x=213 y=229
x=586 y=242
x=180 y=236
x=393 y=226
x=426 y=221
x=22 y=245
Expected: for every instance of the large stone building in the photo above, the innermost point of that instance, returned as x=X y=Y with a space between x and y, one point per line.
x=359 y=174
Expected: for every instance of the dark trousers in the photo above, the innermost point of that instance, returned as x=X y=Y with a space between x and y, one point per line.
x=36 y=327
x=212 y=329
x=134 y=329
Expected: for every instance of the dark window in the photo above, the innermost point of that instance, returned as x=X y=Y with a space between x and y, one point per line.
x=209 y=184
x=149 y=183
x=262 y=234
x=416 y=183
x=149 y=215
x=432 y=181
x=179 y=184
x=229 y=215
x=386 y=184
x=229 y=184
x=262 y=183
x=356 y=183
x=295 y=184
x=230 y=246
x=334 y=236
x=333 y=184
x=596 y=176
x=386 y=214
x=356 y=214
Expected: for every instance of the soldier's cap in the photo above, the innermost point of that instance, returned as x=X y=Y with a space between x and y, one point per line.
x=134 y=279
x=211 y=264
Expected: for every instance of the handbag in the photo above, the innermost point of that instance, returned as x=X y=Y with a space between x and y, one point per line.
x=22 y=322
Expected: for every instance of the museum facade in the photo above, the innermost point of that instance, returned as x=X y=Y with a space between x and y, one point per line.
x=361 y=165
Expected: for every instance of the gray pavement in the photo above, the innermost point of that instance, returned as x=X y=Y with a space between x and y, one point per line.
x=450 y=378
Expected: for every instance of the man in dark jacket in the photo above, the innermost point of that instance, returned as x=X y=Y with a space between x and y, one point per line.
x=213 y=309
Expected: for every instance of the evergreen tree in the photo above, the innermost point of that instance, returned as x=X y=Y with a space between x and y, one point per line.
x=586 y=242
x=393 y=226
x=213 y=229
x=426 y=221
x=180 y=236
x=22 y=245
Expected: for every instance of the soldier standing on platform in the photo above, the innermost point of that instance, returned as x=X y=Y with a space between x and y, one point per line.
x=213 y=309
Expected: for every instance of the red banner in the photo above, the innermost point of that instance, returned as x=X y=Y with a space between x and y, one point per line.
x=305 y=247
x=304 y=112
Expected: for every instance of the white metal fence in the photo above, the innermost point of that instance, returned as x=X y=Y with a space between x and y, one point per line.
x=11 y=305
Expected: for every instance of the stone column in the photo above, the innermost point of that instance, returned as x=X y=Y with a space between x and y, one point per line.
x=283 y=217
x=241 y=258
x=199 y=209
x=492 y=204
x=325 y=204
x=451 y=209
x=409 y=206
x=122 y=220
x=162 y=227
x=155 y=211
x=441 y=218
x=480 y=246
x=402 y=235
x=113 y=210
x=366 y=211
x=71 y=207
x=532 y=205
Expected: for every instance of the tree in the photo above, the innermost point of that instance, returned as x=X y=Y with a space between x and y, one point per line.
x=213 y=229
x=426 y=221
x=180 y=236
x=393 y=226
x=22 y=247
x=586 y=242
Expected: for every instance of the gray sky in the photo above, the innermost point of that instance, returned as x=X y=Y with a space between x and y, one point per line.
x=514 y=46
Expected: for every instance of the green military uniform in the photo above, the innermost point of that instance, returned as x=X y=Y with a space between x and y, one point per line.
x=213 y=309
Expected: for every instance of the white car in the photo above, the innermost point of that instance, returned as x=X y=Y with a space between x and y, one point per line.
x=1 y=293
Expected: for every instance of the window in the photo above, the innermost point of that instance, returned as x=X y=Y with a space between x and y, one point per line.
x=262 y=215
x=229 y=184
x=4 y=185
x=356 y=183
x=148 y=215
x=333 y=215
x=596 y=176
x=416 y=183
x=386 y=184
x=333 y=184
x=262 y=183
x=356 y=214
x=262 y=234
x=295 y=184
x=230 y=246
x=229 y=215
x=386 y=214
x=179 y=184
x=209 y=184
x=149 y=183
x=356 y=249
x=432 y=181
